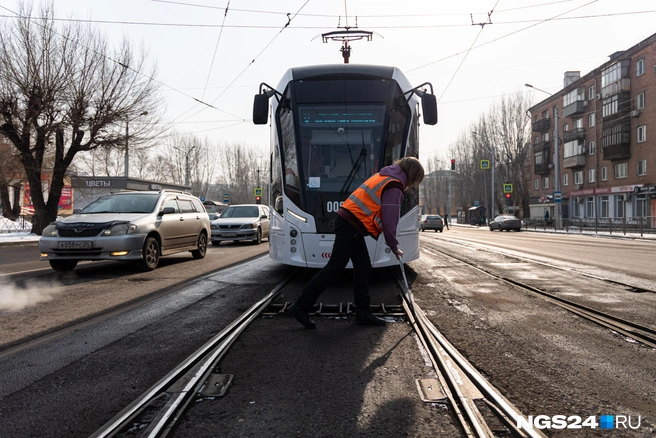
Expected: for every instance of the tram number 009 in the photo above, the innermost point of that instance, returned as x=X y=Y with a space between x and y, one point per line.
x=333 y=206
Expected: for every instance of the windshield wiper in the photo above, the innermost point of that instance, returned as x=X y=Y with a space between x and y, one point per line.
x=354 y=170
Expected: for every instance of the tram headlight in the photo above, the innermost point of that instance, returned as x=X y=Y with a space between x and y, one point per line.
x=293 y=249
x=293 y=233
x=293 y=242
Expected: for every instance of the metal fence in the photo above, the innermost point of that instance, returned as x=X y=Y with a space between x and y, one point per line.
x=22 y=225
x=620 y=225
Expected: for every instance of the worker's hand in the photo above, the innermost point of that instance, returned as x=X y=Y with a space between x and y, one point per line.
x=398 y=253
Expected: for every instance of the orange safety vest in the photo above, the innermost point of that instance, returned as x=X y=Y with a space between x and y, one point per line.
x=365 y=203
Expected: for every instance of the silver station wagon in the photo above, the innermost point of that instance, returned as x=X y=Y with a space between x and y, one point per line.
x=241 y=222
x=128 y=226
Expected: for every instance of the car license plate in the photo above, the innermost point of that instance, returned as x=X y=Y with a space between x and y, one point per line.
x=229 y=234
x=75 y=245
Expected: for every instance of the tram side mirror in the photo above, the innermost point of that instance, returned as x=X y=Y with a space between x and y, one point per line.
x=261 y=109
x=429 y=108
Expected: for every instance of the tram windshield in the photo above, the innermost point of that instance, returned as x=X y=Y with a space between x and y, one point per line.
x=341 y=145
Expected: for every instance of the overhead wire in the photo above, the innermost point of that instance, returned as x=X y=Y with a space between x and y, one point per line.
x=17 y=15
x=504 y=36
x=289 y=20
x=489 y=15
x=216 y=48
x=395 y=26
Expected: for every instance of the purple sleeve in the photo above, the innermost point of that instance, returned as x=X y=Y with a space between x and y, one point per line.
x=389 y=215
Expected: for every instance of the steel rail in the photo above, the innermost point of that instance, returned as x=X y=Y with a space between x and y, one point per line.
x=444 y=354
x=539 y=262
x=200 y=364
x=641 y=333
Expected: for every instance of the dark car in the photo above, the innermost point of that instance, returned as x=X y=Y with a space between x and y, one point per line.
x=241 y=222
x=431 y=222
x=506 y=222
x=128 y=226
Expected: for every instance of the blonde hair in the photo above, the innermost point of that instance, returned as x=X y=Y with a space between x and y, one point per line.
x=413 y=170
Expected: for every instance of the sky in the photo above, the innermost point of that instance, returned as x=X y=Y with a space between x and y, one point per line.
x=219 y=52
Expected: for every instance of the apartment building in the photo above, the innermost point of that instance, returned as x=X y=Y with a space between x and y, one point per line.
x=606 y=134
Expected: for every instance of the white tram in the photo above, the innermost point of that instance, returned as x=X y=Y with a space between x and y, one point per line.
x=332 y=127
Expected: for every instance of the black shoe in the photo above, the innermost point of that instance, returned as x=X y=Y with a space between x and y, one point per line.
x=365 y=317
x=301 y=316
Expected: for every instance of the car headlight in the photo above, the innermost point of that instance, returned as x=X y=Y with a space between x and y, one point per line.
x=248 y=226
x=119 y=229
x=50 y=231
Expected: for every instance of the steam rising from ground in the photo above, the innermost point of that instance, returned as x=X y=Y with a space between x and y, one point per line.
x=14 y=298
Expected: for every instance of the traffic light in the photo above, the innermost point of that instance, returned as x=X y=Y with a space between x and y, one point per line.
x=257 y=199
x=508 y=202
x=453 y=164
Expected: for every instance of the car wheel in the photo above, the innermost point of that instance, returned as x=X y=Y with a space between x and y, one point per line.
x=202 y=247
x=258 y=237
x=441 y=229
x=422 y=230
x=150 y=254
x=491 y=229
x=216 y=242
x=63 y=265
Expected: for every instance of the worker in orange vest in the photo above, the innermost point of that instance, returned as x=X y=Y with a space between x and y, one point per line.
x=372 y=209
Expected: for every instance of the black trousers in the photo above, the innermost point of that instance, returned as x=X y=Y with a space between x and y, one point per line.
x=349 y=245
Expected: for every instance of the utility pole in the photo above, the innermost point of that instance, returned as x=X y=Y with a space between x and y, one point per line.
x=557 y=196
x=557 y=193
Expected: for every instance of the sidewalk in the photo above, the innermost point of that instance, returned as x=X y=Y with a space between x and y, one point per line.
x=21 y=238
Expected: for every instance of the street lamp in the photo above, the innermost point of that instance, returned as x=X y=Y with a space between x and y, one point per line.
x=127 y=156
x=491 y=214
x=557 y=193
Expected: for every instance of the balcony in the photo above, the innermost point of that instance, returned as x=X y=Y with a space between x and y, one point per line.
x=574 y=134
x=616 y=141
x=544 y=168
x=541 y=125
x=623 y=85
x=574 y=162
x=575 y=108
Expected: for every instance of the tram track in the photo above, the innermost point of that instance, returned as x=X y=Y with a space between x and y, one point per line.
x=480 y=408
x=638 y=332
x=156 y=411
x=629 y=287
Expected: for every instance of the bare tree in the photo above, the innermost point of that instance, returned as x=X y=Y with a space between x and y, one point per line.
x=62 y=88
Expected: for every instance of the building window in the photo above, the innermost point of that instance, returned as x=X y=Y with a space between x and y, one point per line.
x=545 y=137
x=604 y=173
x=610 y=106
x=591 y=175
x=539 y=158
x=641 y=206
x=642 y=167
x=545 y=183
x=640 y=101
x=565 y=127
x=640 y=67
x=620 y=170
x=572 y=148
x=536 y=184
x=591 y=148
x=641 y=134
x=620 y=206
x=565 y=179
x=591 y=119
x=591 y=92
x=589 y=207
x=578 y=178
x=545 y=114
x=603 y=203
